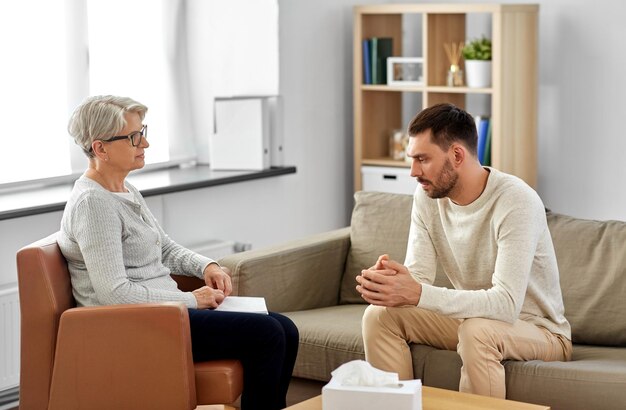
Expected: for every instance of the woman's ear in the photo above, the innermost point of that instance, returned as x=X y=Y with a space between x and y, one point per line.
x=99 y=150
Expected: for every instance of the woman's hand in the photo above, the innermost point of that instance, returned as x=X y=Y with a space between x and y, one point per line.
x=217 y=277
x=208 y=298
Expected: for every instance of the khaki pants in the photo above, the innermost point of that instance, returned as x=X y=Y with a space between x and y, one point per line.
x=481 y=343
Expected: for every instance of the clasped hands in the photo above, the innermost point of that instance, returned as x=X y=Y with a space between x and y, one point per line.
x=388 y=283
x=218 y=286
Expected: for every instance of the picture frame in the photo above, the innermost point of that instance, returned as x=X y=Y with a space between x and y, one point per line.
x=405 y=71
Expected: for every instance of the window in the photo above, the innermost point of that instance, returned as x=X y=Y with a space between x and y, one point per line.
x=175 y=56
x=133 y=58
x=33 y=80
x=250 y=40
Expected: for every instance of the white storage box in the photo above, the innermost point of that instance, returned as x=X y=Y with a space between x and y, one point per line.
x=408 y=396
x=242 y=134
x=388 y=179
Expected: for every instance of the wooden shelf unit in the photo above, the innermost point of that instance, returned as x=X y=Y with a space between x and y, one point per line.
x=513 y=94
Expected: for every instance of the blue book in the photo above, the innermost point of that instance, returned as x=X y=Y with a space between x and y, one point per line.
x=367 y=73
x=483 y=128
x=487 y=159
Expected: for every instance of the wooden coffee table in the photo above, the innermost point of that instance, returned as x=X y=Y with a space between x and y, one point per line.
x=441 y=399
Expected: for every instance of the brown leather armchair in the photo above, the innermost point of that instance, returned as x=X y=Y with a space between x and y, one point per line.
x=108 y=357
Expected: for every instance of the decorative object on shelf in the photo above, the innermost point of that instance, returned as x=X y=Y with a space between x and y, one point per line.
x=398 y=141
x=477 y=54
x=402 y=71
x=455 y=74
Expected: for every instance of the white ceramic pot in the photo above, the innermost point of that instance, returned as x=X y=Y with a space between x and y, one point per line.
x=478 y=73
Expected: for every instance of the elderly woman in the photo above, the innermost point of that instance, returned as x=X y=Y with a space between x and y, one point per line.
x=118 y=253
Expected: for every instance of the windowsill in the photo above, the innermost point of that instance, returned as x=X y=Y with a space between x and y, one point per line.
x=158 y=182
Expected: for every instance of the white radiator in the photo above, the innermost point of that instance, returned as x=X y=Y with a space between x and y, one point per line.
x=216 y=248
x=9 y=338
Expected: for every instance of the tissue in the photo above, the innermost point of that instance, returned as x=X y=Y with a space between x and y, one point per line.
x=361 y=373
x=358 y=385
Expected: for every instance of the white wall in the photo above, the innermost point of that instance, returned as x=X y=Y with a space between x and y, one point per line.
x=581 y=109
x=315 y=52
x=15 y=233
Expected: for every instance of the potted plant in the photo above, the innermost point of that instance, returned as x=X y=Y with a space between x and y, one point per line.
x=477 y=54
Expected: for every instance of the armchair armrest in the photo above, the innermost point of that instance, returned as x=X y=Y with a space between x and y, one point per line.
x=297 y=275
x=107 y=355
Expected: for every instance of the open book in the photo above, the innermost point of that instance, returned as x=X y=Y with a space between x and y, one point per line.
x=246 y=304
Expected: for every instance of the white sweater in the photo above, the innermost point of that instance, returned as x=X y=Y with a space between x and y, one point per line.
x=117 y=252
x=496 y=251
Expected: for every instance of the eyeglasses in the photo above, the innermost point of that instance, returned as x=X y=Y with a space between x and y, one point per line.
x=134 y=137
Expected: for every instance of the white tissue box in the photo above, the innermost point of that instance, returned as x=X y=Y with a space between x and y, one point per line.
x=406 y=397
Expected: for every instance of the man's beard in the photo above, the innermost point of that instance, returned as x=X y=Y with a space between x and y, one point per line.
x=446 y=181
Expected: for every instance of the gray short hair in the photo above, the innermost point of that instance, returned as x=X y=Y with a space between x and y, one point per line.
x=101 y=117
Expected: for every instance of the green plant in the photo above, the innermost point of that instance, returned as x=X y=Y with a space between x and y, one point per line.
x=478 y=49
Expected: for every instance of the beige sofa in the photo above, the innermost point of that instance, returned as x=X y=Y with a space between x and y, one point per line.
x=312 y=281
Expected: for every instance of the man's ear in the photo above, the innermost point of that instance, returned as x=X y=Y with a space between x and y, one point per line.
x=458 y=152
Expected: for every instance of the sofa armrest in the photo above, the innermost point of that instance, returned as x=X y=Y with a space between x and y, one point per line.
x=107 y=355
x=297 y=275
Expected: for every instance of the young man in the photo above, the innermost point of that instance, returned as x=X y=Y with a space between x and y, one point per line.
x=488 y=232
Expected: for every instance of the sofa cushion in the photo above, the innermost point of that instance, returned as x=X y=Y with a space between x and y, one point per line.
x=329 y=337
x=592 y=263
x=594 y=379
x=380 y=224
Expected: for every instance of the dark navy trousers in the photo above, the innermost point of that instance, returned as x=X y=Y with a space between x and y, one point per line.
x=266 y=345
